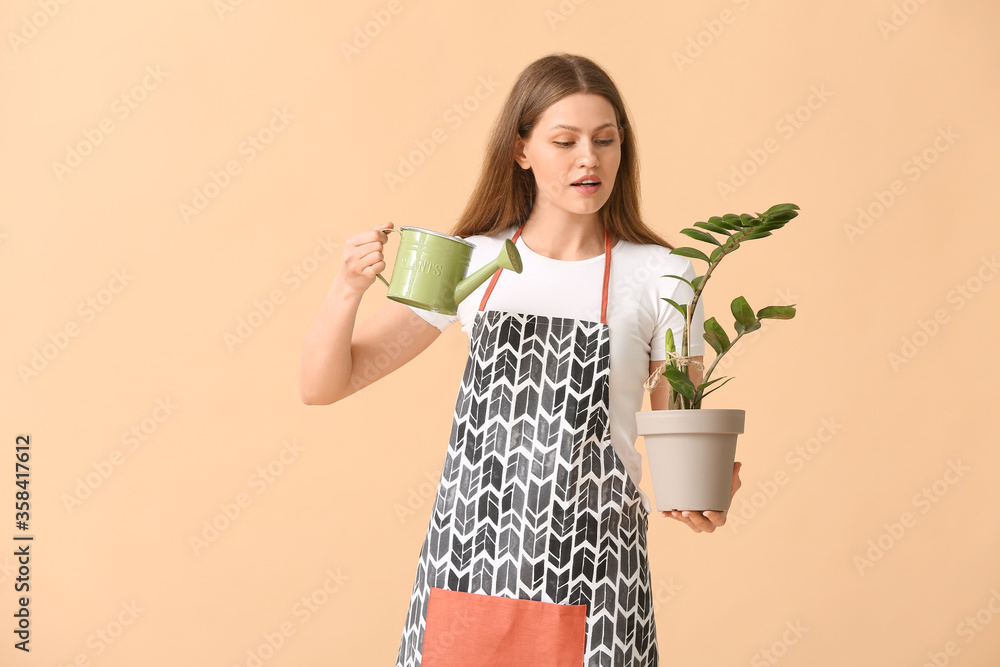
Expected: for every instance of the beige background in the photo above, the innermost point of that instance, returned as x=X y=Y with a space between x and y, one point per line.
x=833 y=556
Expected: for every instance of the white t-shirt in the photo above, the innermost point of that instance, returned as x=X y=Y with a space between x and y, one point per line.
x=638 y=318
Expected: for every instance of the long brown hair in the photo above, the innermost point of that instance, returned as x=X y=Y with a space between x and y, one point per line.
x=505 y=193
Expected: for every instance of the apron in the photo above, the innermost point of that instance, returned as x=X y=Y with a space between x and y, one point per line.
x=536 y=549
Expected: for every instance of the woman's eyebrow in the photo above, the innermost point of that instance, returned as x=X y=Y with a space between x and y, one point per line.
x=576 y=129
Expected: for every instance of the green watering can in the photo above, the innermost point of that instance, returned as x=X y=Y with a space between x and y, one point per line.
x=430 y=267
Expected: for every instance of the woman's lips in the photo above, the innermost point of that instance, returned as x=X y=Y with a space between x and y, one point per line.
x=587 y=186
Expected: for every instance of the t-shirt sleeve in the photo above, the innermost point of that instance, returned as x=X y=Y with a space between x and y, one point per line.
x=439 y=320
x=670 y=318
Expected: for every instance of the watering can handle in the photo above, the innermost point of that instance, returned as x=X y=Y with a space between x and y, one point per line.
x=379 y=275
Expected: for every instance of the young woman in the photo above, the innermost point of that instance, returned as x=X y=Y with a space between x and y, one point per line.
x=536 y=548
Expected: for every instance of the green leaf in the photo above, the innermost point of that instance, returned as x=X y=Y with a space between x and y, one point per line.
x=747 y=220
x=756 y=235
x=776 y=313
x=740 y=329
x=717 y=253
x=743 y=312
x=669 y=343
x=681 y=278
x=680 y=382
x=690 y=252
x=705 y=385
x=773 y=224
x=716 y=220
x=681 y=307
x=781 y=207
x=732 y=219
x=713 y=228
x=699 y=235
x=696 y=283
x=769 y=226
x=781 y=216
x=716 y=336
x=715 y=388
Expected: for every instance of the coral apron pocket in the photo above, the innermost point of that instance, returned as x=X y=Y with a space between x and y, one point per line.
x=476 y=630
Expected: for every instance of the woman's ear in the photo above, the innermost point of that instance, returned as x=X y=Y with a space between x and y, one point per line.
x=519 y=155
x=621 y=133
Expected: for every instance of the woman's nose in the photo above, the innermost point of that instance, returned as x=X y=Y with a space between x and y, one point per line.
x=588 y=156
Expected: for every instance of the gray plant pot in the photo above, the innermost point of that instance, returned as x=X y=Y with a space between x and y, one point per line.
x=691 y=455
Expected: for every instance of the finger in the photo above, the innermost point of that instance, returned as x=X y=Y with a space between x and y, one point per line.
x=373 y=257
x=383 y=236
x=359 y=261
x=699 y=522
x=677 y=515
x=368 y=236
x=673 y=514
x=373 y=270
x=372 y=264
x=716 y=518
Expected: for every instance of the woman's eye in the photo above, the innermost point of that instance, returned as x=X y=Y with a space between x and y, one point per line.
x=599 y=142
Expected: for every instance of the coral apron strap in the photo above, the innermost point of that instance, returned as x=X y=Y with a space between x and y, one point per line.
x=607 y=276
x=496 y=275
x=604 y=290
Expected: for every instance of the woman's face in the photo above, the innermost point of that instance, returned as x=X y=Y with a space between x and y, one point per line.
x=574 y=151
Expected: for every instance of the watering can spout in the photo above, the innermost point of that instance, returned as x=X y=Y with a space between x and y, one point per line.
x=508 y=258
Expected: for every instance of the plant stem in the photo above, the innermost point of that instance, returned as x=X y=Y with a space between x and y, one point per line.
x=711 y=368
x=686 y=339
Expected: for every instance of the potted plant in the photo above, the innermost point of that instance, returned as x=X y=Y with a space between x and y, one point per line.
x=691 y=450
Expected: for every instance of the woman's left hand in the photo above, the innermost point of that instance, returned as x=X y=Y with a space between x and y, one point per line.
x=707 y=522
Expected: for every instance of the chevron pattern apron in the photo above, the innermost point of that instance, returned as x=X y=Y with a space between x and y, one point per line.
x=536 y=549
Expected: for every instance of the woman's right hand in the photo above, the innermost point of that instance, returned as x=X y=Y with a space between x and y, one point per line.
x=363 y=258
x=338 y=358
